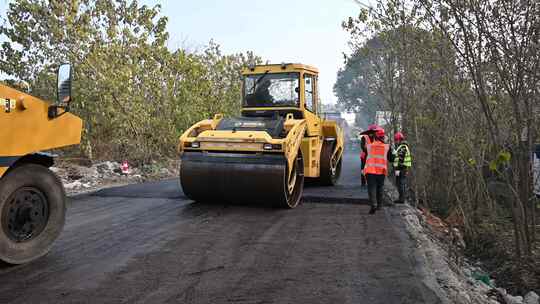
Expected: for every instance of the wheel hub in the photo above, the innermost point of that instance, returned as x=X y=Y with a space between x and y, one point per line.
x=25 y=214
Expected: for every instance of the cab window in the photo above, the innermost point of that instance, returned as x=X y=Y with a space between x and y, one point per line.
x=309 y=92
x=272 y=90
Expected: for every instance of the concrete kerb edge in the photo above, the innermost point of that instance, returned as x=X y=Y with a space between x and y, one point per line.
x=417 y=257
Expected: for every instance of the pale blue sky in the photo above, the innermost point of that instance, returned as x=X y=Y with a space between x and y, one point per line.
x=306 y=31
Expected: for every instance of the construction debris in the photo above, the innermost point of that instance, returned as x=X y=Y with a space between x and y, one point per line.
x=77 y=178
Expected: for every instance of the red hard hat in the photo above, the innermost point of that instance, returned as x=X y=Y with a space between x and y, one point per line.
x=373 y=127
x=379 y=132
x=399 y=136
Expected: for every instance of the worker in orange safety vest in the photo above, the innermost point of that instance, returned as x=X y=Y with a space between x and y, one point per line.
x=379 y=155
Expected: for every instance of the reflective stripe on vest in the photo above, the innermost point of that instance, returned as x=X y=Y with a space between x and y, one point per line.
x=407 y=161
x=376 y=162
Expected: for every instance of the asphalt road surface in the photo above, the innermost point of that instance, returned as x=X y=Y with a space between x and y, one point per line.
x=149 y=244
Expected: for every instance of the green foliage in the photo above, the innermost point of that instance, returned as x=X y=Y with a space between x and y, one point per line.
x=463 y=78
x=503 y=159
x=356 y=87
x=134 y=94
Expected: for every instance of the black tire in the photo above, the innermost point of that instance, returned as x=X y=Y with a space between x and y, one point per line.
x=291 y=199
x=23 y=190
x=329 y=172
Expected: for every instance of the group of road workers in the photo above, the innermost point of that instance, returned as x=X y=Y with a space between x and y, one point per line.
x=375 y=155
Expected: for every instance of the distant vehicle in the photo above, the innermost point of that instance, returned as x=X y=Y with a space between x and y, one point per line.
x=32 y=198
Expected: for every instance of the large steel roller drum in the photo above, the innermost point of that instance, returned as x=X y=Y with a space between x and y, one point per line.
x=242 y=178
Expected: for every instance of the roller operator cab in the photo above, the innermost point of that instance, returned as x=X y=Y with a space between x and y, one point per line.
x=264 y=155
x=32 y=198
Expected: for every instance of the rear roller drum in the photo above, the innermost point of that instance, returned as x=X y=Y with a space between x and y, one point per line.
x=294 y=184
x=32 y=213
x=330 y=166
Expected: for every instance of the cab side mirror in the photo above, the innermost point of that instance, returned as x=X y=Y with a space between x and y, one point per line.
x=64 y=77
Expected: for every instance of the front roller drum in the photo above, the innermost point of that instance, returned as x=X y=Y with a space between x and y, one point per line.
x=32 y=213
x=241 y=178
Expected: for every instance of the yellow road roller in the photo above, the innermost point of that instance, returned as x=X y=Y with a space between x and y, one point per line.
x=263 y=155
x=32 y=198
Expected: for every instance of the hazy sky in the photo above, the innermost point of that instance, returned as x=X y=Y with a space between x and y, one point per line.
x=306 y=31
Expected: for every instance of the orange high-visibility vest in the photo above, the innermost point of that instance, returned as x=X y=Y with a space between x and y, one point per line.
x=376 y=162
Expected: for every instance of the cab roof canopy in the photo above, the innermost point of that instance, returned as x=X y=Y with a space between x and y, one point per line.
x=279 y=68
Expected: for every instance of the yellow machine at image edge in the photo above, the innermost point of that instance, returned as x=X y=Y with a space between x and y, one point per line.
x=32 y=198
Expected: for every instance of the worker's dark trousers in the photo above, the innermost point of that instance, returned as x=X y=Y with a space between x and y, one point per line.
x=401 y=184
x=375 y=183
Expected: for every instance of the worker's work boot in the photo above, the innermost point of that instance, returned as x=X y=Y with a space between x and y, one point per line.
x=372 y=210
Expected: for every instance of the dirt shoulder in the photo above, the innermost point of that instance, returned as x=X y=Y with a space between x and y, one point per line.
x=439 y=253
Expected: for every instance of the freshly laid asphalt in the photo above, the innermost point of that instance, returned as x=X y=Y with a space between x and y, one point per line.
x=148 y=243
